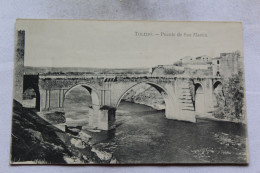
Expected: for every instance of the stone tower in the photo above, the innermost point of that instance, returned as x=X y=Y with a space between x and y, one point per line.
x=19 y=66
x=229 y=64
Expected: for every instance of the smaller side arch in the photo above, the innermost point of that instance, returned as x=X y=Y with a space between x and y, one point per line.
x=197 y=84
x=32 y=82
x=93 y=92
x=218 y=94
x=218 y=84
x=37 y=93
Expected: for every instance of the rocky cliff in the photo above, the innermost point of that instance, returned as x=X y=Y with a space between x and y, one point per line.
x=36 y=141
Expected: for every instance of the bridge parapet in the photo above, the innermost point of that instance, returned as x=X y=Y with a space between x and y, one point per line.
x=65 y=82
x=45 y=75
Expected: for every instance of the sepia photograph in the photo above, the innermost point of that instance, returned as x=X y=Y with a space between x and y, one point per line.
x=128 y=92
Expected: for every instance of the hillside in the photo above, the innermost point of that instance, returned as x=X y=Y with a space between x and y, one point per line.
x=35 y=141
x=86 y=70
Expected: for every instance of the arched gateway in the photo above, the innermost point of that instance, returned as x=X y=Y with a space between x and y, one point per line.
x=182 y=96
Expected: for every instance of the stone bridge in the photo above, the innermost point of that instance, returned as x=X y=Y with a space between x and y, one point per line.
x=185 y=97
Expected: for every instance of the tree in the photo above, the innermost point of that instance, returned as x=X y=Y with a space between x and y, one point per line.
x=233 y=90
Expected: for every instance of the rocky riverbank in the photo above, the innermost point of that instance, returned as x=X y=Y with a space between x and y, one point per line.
x=36 y=141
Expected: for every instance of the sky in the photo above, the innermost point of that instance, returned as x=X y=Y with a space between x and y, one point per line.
x=121 y=44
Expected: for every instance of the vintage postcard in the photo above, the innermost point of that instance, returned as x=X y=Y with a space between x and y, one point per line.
x=128 y=92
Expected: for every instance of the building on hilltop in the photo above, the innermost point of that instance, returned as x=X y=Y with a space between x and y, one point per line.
x=226 y=65
x=195 y=61
x=198 y=66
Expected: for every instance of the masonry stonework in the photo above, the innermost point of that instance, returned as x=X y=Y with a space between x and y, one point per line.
x=106 y=95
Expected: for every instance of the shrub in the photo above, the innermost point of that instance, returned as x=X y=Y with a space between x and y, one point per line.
x=233 y=100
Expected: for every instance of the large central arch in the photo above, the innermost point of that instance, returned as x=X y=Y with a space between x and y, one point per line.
x=169 y=106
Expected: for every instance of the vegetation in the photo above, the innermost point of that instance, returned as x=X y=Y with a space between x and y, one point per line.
x=172 y=71
x=231 y=105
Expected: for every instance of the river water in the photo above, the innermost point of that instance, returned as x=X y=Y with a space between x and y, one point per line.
x=144 y=135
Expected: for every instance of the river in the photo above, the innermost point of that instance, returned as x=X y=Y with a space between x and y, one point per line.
x=144 y=135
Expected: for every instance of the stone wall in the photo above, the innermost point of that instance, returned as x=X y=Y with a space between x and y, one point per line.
x=228 y=64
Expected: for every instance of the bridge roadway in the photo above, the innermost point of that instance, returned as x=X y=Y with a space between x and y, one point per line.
x=185 y=97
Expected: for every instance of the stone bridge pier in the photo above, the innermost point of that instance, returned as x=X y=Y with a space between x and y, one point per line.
x=185 y=98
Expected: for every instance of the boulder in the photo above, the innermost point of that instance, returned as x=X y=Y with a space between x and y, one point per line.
x=36 y=135
x=102 y=154
x=84 y=136
x=78 y=143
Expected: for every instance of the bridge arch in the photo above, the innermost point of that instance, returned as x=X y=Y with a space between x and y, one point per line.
x=32 y=82
x=218 y=85
x=218 y=94
x=162 y=90
x=199 y=98
x=93 y=92
x=37 y=96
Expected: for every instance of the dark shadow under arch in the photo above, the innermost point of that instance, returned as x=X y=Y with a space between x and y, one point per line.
x=32 y=82
x=218 y=94
x=37 y=93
